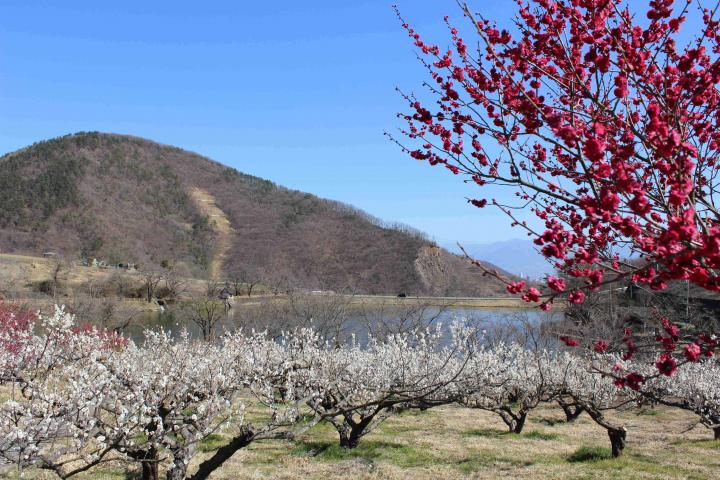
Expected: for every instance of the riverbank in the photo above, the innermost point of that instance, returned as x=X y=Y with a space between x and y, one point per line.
x=25 y=279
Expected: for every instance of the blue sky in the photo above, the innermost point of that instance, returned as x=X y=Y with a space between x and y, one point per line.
x=296 y=92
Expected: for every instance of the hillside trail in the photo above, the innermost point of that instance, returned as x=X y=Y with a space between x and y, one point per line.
x=220 y=225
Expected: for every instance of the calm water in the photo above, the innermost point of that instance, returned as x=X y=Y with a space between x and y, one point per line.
x=492 y=320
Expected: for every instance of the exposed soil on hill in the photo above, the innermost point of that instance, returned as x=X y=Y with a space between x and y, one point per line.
x=221 y=227
x=124 y=199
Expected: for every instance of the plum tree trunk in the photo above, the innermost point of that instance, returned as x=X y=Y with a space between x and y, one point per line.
x=150 y=471
x=351 y=431
x=149 y=462
x=349 y=439
x=571 y=412
x=617 y=440
x=519 y=423
x=617 y=434
x=514 y=421
x=716 y=432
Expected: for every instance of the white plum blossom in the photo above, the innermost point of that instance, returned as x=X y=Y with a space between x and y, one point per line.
x=75 y=397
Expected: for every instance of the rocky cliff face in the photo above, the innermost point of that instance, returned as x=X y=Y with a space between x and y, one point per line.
x=441 y=273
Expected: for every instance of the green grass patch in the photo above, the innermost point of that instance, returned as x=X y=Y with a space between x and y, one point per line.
x=550 y=422
x=396 y=428
x=629 y=464
x=538 y=435
x=486 y=432
x=495 y=433
x=212 y=442
x=402 y=455
x=590 y=454
x=267 y=453
x=323 y=427
x=647 y=412
x=482 y=459
x=705 y=443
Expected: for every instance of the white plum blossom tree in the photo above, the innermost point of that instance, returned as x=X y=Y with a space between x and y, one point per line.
x=74 y=398
x=357 y=387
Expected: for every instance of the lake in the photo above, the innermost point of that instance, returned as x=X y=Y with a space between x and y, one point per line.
x=352 y=322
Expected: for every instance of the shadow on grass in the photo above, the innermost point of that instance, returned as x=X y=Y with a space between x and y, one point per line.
x=549 y=421
x=399 y=454
x=629 y=463
x=404 y=456
x=495 y=433
x=590 y=454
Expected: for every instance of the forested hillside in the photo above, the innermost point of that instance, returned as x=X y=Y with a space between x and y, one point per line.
x=126 y=199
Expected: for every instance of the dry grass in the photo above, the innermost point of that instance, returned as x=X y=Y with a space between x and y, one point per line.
x=453 y=442
x=221 y=227
x=20 y=275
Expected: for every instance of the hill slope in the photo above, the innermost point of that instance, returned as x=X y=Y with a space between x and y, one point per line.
x=518 y=256
x=125 y=199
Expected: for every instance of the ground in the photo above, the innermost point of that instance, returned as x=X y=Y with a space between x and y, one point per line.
x=453 y=443
x=20 y=275
x=220 y=225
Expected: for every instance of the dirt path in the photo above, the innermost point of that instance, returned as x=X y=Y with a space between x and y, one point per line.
x=220 y=225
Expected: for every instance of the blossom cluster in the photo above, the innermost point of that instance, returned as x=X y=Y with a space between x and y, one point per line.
x=603 y=125
x=75 y=399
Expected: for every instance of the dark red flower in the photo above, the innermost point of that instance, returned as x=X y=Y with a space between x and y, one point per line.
x=666 y=364
x=692 y=352
x=570 y=342
x=601 y=346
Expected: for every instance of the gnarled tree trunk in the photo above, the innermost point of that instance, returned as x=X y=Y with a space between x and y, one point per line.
x=617 y=434
x=351 y=431
x=572 y=412
x=514 y=421
x=179 y=466
x=617 y=440
x=149 y=462
x=349 y=438
x=150 y=470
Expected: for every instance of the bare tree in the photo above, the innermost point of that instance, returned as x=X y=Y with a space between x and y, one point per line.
x=176 y=285
x=387 y=317
x=58 y=269
x=150 y=281
x=212 y=289
x=205 y=312
x=329 y=314
x=243 y=282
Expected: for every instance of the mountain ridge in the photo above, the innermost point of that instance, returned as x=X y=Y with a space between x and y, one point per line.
x=127 y=199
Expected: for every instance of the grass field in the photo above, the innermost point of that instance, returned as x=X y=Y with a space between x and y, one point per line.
x=452 y=442
x=21 y=274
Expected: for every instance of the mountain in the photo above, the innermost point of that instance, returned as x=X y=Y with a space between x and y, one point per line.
x=518 y=256
x=125 y=199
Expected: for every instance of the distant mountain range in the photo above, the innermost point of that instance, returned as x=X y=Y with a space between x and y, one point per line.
x=124 y=199
x=517 y=256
